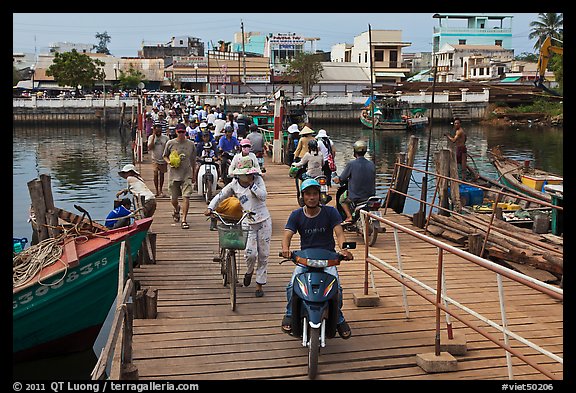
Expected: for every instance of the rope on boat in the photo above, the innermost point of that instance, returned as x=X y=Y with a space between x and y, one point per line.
x=30 y=261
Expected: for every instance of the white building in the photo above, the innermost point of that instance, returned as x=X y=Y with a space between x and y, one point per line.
x=473 y=62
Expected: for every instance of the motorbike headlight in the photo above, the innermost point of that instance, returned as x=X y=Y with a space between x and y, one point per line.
x=317 y=262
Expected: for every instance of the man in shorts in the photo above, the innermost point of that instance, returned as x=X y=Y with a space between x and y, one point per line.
x=181 y=172
x=156 y=144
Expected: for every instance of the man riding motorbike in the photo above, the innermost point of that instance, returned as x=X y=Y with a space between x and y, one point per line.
x=360 y=174
x=316 y=225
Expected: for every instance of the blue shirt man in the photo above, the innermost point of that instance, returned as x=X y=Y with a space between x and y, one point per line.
x=228 y=143
x=120 y=216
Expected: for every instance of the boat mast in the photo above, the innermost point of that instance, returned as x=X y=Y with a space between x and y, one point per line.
x=424 y=194
x=372 y=103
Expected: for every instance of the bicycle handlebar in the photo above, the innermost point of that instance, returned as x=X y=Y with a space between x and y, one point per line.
x=221 y=218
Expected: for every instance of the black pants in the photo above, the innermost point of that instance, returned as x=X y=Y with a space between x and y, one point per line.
x=327 y=173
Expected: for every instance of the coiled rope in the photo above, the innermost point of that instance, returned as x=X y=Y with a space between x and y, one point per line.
x=30 y=261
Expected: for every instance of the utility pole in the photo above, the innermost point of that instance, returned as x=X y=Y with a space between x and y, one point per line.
x=243 y=53
x=372 y=103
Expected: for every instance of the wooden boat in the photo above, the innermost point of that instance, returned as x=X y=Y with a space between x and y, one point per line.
x=523 y=178
x=60 y=307
x=389 y=112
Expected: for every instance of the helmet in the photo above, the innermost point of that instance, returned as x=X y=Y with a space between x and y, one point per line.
x=228 y=128
x=360 y=147
x=312 y=144
x=309 y=183
x=245 y=142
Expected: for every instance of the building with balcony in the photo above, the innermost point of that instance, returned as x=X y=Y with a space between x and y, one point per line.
x=472 y=29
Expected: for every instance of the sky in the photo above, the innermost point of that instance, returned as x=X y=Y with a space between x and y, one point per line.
x=33 y=32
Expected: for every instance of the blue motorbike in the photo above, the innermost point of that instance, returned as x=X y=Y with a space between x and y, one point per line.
x=315 y=299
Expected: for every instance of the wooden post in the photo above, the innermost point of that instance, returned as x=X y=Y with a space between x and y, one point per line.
x=475 y=244
x=51 y=211
x=140 y=304
x=443 y=168
x=39 y=207
x=403 y=179
x=151 y=300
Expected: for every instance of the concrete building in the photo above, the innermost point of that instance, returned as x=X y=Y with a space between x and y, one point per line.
x=385 y=53
x=472 y=29
x=472 y=62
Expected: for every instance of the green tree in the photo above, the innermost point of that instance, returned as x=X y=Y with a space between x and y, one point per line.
x=548 y=25
x=103 y=41
x=130 y=79
x=74 y=69
x=526 y=56
x=306 y=68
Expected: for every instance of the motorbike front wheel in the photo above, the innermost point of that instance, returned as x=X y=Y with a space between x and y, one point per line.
x=373 y=235
x=208 y=190
x=313 y=352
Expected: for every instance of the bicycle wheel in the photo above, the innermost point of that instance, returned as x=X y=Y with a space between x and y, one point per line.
x=232 y=277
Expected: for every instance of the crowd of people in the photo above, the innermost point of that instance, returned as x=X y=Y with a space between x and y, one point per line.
x=179 y=133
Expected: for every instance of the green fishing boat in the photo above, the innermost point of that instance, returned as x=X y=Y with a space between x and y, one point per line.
x=62 y=307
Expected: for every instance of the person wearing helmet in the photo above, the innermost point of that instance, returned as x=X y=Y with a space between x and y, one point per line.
x=257 y=140
x=313 y=159
x=360 y=174
x=245 y=147
x=317 y=224
x=248 y=186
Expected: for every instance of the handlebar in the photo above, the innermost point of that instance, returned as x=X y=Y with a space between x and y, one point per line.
x=223 y=219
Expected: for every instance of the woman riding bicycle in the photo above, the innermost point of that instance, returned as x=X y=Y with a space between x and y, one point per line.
x=248 y=186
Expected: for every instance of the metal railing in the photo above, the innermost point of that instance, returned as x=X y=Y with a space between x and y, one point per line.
x=442 y=301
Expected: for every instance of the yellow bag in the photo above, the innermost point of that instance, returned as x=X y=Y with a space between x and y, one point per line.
x=174 y=159
x=230 y=208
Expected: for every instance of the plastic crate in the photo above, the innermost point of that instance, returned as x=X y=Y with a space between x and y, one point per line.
x=19 y=244
x=470 y=195
x=234 y=237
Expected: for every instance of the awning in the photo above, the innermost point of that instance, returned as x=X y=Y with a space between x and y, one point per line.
x=391 y=74
x=510 y=79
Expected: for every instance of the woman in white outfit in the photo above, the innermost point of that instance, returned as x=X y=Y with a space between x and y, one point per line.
x=248 y=186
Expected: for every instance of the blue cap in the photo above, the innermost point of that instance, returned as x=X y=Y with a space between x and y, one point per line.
x=309 y=183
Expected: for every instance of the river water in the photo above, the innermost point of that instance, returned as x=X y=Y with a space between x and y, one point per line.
x=83 y=163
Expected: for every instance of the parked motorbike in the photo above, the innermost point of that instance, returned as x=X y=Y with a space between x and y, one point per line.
x=372 y=205
x=322 y=180
x=207 y=177
x=315 y=298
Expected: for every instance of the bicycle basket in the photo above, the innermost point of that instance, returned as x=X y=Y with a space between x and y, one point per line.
x=233 y=236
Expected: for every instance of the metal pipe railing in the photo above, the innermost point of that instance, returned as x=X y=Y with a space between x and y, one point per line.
x=441 y=299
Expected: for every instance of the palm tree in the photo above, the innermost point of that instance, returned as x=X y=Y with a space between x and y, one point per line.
x=549 y=24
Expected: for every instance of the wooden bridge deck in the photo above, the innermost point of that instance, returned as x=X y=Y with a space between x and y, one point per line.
x=197 y=337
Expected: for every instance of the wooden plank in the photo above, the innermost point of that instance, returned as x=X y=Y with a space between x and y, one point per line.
x=197 y=336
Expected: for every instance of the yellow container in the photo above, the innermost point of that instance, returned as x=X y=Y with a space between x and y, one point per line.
x=537 y=182
x=509 y=206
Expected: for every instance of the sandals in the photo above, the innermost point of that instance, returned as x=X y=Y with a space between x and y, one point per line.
x=344 y=330
x=176 y=215
x=185 y=225
x=287 y=324
x=347 y=222
x=259 y=292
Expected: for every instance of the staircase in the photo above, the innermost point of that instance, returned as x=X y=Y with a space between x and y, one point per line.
x=460 y=110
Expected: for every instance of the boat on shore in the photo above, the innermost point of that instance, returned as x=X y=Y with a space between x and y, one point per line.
x=522 y=177
x=64 y=287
